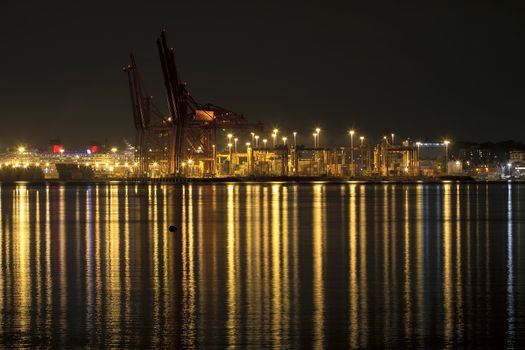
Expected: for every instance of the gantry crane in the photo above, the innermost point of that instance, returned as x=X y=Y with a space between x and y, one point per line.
x=189 y=129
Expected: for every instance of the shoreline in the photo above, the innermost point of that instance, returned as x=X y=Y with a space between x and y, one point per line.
x=264 y=180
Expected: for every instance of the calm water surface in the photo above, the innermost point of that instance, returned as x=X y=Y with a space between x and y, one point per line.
x=262 y=265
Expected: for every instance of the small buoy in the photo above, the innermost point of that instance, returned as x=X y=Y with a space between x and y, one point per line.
x=172 y=228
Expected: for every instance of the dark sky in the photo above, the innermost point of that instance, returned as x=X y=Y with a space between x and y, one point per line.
x=423 y=69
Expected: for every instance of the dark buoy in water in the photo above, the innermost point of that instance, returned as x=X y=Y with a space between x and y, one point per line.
x=172 y=228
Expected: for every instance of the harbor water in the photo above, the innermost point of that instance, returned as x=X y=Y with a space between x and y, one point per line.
x=273 y=265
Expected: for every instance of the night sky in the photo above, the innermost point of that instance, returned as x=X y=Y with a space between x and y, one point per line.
x=422 y=69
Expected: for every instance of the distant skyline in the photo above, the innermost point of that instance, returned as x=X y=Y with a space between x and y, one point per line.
x=426 y=70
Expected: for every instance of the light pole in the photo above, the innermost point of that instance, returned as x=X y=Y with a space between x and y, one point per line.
x=295 y=139
x=352 y=132
x=214 y=162
x=446 y=142
x=274 y=135
x=318 y=131
x=264 y=142
x=418 y=144
x=362 y=139
x=230 y=152
x=392 y=138
x=256 y=141
x=235 y=147
x=253 y=137
x=315 y=139
x=284 y=140
x=248 y=157
x=229 y=138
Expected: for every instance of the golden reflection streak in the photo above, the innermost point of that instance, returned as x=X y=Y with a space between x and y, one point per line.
x=386 y=262
x=98 y=256
x=487 y=249
x=7 y=251
x=90 y=261
x=231 y=323
x=77 y=273
x=408 y=322
x=420 y=246
x=285 y=318
x=22 y=250
x=511 y=318
x=256 y=270
x=266 y=292
x=363 y=272
x=295 y=252
x=126 y=302
x=353 y=285
x=62 y=255
x=48 y=279
x=459 y=276
x=392 y=286
x=447 y=265
x=2 y=254
x=276 y=265
x=154 y=251
x=37 y=261
x=188 y=286
x=251 y=298
x=200 y=261
x=113 y=265
x=477 y=242
x=468 y=242
x=189 y=274
x=318 y=261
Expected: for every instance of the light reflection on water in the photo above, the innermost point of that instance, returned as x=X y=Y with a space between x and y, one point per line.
x=270 y=265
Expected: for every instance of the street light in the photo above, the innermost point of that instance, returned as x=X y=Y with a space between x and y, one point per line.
x=257 y=141
x=446 y=143
x=362 y=138
x=392 y=138
x=264 y=142
x=318 y=131
x=284 y=141
x=230 y=138
x=315 y=139
x=21 y=149
x=253 y=137
x=235 y=147
x=274 y=135
x=352 y=132
x=295 y=139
